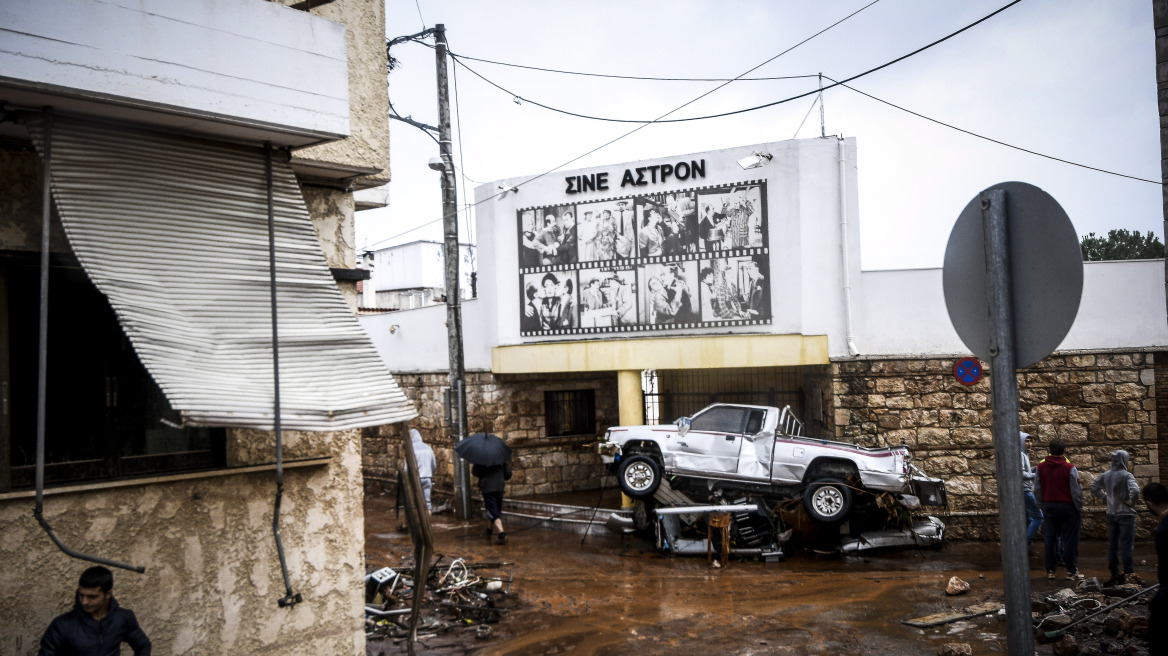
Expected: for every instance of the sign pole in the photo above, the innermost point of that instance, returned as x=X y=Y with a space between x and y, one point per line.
x=1007 y=446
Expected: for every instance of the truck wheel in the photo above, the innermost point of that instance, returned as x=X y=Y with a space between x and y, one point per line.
x=827 y=500
x=639 y=476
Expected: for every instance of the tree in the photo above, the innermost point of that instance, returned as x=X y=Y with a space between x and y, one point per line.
x=1121 y=245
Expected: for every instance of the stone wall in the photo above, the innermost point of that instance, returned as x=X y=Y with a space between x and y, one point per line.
x=512 y=407
x=1095 y=402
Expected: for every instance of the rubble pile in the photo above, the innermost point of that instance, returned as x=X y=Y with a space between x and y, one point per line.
x=1063 y=619
x=458 y=596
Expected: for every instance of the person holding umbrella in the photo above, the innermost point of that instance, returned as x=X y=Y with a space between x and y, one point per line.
x=491 y=460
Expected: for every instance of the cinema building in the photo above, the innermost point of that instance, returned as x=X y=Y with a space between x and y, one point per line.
x=643 y=291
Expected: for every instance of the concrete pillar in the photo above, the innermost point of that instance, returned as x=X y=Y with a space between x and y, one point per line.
x=632 y=408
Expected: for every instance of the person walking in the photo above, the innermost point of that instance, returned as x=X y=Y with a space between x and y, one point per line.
x=1033 y=512
x=1058 y=489
x=492 y=481
x=1122 y=493
x=424 y=456
x=97 y=625
x=1156 y=499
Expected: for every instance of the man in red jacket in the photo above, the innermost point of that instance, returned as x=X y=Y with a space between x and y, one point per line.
x=1057 y=488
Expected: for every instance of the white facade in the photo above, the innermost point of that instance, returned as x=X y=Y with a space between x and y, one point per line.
x=417 y=268
x=214 y=66
x=811 y=207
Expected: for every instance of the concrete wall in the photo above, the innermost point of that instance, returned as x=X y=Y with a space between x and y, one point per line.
x=212 y=575
x=249 y=62
x=367 y=145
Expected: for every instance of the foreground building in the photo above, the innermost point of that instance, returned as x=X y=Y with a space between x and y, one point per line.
x=171 y=136
x=643 y=291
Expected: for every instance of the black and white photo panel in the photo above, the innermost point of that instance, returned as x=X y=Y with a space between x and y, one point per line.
x=669 y=294
x=606 y=231
x=549 y=302
x=608 y=299
x=547 y=236
x=734 y=289
x=731 y=218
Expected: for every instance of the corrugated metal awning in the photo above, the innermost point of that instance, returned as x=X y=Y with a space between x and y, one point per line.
x=174 y=232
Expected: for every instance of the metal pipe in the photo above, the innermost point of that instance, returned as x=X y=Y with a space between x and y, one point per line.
x=847 y=274
x=387 y=613
x=290 y=598
x=1007 y=454
x=1051 y=635
x=43 y=359
x=686 y=510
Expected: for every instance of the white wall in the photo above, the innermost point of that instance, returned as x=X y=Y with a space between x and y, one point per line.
x=247 y=61
x=903 y=312
x=420 y=265
x=418 y=341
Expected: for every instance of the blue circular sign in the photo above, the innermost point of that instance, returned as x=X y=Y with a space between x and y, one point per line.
x=967 y=371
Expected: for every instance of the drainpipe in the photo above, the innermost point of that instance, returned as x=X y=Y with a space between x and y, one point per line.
x=43 y=359
x=843 y=204
x=290 y=598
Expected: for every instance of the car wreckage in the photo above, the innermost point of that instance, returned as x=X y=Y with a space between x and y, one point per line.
x=754 y=461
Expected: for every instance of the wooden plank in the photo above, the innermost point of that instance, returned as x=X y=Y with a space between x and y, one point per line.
x=937 y=619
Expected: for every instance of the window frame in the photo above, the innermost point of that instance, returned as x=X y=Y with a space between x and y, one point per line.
x=567 y=408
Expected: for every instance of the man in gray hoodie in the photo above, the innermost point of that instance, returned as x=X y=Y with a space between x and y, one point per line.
x=1122 y=492
x=426 y=464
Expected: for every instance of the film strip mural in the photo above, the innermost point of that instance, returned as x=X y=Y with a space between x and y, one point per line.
x=688 y=259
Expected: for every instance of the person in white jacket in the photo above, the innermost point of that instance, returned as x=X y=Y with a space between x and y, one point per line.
x=1033 y=512
x=1118 y=486
x=424 y=455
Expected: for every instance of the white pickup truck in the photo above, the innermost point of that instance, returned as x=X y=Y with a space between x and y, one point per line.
x=762 y=450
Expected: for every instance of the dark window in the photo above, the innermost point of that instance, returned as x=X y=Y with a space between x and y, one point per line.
x=570 y=413
x=754 y=422
x=105 y=416
x=720 y=419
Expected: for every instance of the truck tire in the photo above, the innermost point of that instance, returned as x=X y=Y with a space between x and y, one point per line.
x=639 y=476
x=827 y=501
x=643 y=516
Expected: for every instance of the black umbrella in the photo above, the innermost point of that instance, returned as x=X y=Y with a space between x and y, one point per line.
x=483 y=449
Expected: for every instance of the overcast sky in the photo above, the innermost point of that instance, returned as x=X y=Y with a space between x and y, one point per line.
x=1074 y=79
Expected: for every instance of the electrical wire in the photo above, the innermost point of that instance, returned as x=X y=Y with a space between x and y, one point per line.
x=461 y=161
x=992 y=140
x=646 y=124
x=420 y=14
x=662 y=118
x=818 y=100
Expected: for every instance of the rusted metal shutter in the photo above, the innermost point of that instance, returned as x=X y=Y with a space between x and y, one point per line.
x=174 y=232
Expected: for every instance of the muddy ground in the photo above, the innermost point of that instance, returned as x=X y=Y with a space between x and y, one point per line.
x=611 y=594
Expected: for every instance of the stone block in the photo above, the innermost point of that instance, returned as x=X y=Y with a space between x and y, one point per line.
x=1047 y=414
x=1038 y=379
x=1121 y=376
x=1099 y=393
x=971 y=436
x=903 y=436
x=887 y=385
x=1034 y=395
x=900 y=402
x=1148 y=377
x=851 y=401
x=1072 y=433
x=1128 y=391
x=1082 y=377
x=1114 y=360
x=933 y=437
x=959 y=485
x=974 y=401
x=1083 y=415
x=924 y=385
x=1124 y=432
x=1147 y=472
x=888 y=421
x=1112 y=413
x=937 y=400
x=1081 y=360
x=949 y=465
x=843 y=417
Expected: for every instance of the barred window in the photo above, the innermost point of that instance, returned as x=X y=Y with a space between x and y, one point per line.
x=571 y=412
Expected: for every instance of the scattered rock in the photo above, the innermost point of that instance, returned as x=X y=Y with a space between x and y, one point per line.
x=955 y=649
x=1063 y=597
x=1125 y=590
x=1089 y=585
x=956 y=586
x=1056 y=622
x=1066 y=646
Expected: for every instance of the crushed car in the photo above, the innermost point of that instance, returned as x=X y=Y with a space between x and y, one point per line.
x=733 y=453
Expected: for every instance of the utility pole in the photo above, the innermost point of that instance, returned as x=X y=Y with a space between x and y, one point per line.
x=457 y=377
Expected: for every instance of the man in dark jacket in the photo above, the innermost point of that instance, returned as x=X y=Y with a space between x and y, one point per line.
x=1058 y=489
x=1156 y=498
x=97 y=625
x=492 y=481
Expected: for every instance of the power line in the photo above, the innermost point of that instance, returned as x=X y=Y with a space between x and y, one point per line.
x=461 y=161
x=662 y=118
x=992 y=140
x=420 y=14
x=636 y=129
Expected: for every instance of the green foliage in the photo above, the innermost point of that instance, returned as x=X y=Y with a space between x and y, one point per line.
x=1121 y=245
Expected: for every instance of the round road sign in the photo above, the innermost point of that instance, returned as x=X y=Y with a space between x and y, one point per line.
x=967 y=371
x=1045 y=270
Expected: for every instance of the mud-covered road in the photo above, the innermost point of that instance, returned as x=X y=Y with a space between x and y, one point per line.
x=614 y=595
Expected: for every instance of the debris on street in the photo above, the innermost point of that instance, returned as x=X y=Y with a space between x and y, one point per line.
x=948 y=617
x=1092 y=619
x=458 y=596
x=956 y=586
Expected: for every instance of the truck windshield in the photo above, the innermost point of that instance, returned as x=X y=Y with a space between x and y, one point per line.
x=720 y=419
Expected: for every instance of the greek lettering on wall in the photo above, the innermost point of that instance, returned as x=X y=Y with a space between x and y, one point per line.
x=687 y=259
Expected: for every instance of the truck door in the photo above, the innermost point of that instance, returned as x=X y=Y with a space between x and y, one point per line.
x=713 y=441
